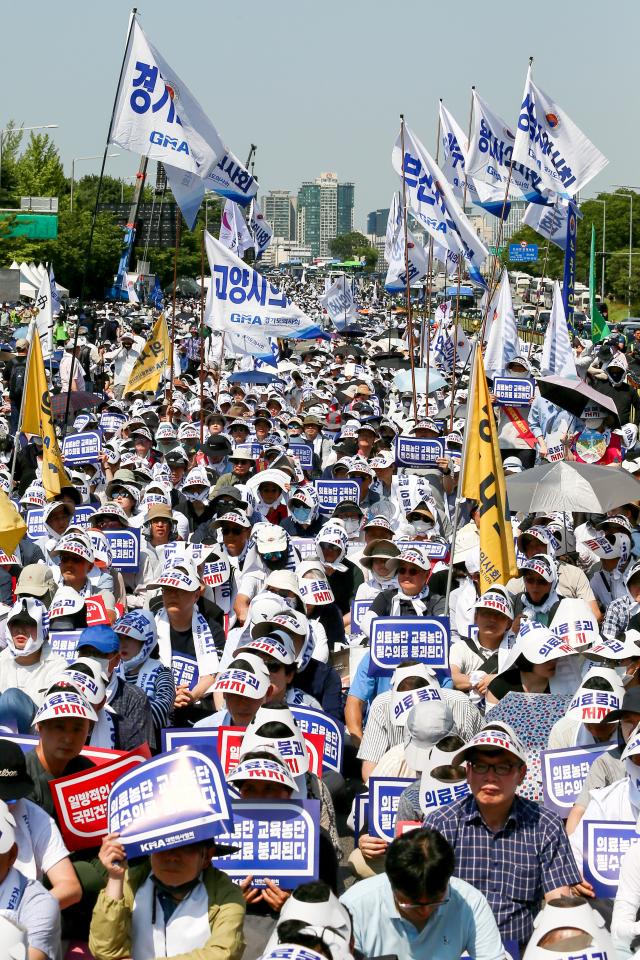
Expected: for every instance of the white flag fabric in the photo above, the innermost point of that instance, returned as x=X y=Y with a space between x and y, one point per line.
x=549 y=142
x=55 y=296
x=339 y=303
x=242 y=300
x=502 y=344
x=231 y=180
x=490 y=155
x=454 y=150
x=550 y=222
x=259 y=227
x=157 y=116
x=234 y=232
x=557 y=353
x=263 y=350
x=394 y=252
x=434 y=205
x=188 y=190
x=44 y=318
x=129 y=287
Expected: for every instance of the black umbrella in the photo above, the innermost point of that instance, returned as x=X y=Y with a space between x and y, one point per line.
x=575 y=395
x=79 y=400
x=391 y=361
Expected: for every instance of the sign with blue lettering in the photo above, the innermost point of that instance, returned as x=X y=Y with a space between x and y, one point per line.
x=511 y=392
x=332 y=492
x=411 y=452
x=306 y=547
x=171 y=800
x=125 y=548
x=304 y=453
x=255 y=450
x=278 y=841
x=315 y=721
x=360 y=814
x=523 y=252
x=82 y=447
x=384 y=796
x=605 y=844
x=185 y=670
x=202 y=739
x=35 y=521
x=394 y=639
x=64 y=643
x=358 y=610
x=436 y=549
x=563 y=774
x=111 y=422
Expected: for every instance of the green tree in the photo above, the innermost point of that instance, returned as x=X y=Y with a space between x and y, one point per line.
x=352 y=246
x=11 y=140
x=39 y=170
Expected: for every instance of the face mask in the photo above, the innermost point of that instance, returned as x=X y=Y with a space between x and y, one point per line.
x=301 y=514
x=518 y=374
x=351 y=526
x=33 y=644
x=421 y=526
x=633 y=772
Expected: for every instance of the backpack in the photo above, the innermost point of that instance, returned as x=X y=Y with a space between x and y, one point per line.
x=16 y=382
x=84 y=359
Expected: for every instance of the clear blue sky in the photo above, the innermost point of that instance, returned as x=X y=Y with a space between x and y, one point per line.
x=320 y=86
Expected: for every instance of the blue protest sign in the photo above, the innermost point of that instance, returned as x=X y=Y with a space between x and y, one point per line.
x=332 y=492
x=304 y=453
x=436 y=549
x=254 y=450
x=523 y=252
x=306 y=547
x=605 y=844
x=564 y=772
x=411 y=452
x=202 y=739
x=394 y=639
x=185 y=670
x=278 y=841
x=82 y=447
x=171 y=800
x=360 y=814
x=315 y=721
x=125 y=549
x=35 y=521
x=64 y=643
x=358 y=610
x=511 y=392
x=384 y=796
x=111 y=422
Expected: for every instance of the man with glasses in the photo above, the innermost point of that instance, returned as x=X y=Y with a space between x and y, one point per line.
x=417 y=908
x=511 y=849
x=235 y=528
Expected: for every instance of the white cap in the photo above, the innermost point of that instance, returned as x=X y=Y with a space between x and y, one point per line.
x=65 y=703
x=7 y=828
x=253 y=683
x=292 y=748
x=262 y=770
x=426 y=724
x=492 y=737
x=182 y=576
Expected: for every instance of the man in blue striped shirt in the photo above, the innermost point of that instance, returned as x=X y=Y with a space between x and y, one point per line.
x=511 y=849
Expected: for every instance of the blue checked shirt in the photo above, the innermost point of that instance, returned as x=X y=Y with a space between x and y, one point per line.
x=514 y=867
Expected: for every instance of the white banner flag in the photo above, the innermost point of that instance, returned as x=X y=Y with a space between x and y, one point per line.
x=502 y=344
x=44 y=318
x=55 y=296
x=550 y=222
x=557 y=353
x=434 y=205
x=454 y=150
x=234 y=233
x=242 y=300
x=264 y=350
x=129 y=287
x=259 y=227
x=548 y=142
x=339 y=303
x=394 y=252
x=157 y=116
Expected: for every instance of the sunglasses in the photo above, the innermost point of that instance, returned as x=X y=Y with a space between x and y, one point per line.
x=231 y=531
x=410 y=571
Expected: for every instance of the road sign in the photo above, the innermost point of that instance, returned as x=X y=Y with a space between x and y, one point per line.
x=523 y=252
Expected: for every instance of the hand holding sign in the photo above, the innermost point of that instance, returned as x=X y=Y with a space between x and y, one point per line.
x=113 y=857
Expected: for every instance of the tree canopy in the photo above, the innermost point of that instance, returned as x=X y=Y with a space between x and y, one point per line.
x=352 y=246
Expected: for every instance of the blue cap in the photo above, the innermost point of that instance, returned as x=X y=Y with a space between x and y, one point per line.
x=102 y=637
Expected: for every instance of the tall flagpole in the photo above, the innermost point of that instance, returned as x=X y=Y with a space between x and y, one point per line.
x=173 y=309
x=31 y=333
x=538 y=298
x=87 y=259
x=202 y=337
x=406 y=268
x=426 y=318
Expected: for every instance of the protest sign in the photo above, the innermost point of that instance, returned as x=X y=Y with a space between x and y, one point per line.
x=563 y=774
x=394 y=639
x=125 y=549
x=605 y=844
x=332 y=731
x=306 y=547
x=185 y=670
x=81 y=799
x=384 y=796
x=412 y=452
x=304 y=453
x=111 y=422
x=96 y=611
x=35 y=521
x=230 y=742
x=512 y=392
x=332 y=492
x=404 y=826
x=172 y=800
x=278 y=841
x=436 y=549
x=82 y=447
x=64 y=643
x=202 y=739
x=360 y=814
x=358 y=610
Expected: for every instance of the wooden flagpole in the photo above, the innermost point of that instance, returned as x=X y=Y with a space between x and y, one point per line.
x=406 y=267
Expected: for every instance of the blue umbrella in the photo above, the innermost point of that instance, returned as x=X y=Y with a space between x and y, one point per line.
x=402 y=380
x=252 y=376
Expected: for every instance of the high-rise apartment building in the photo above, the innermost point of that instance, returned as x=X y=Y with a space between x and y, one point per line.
x=279 y=210
x=325 y=209
x=377 y=222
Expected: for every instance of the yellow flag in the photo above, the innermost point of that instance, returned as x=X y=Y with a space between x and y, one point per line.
x=151 y=363
x=483 y=480
x=12 y=526
x=37 y=418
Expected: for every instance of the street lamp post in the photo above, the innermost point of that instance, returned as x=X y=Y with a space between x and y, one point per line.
x=73 y=172
x=624 y=186
x=40 y=126
x=604 y=234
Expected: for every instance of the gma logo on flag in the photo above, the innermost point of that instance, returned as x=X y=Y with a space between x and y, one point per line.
x=483 y=481
x=152 y=362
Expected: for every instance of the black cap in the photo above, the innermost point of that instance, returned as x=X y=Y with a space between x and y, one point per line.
x=217 y=445
x=630 y=703
x=231 y=493
x=15 y=782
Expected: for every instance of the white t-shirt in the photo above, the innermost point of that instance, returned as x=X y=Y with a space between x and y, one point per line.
x=40 y=844
x=35 y=679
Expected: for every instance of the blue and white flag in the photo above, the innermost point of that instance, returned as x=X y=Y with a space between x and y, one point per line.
x=557 y=354
x=234 y=232
x=188 y=190
x=157 y=116
x=502 y=344
x=394 y=252
x=263 y=350
x=129 y=288
x=259 y=227
x=242 y=300
x=44 y=316
x=549 y=142
x=156 y=297
x=231 y=180
x=455 y=146
x=490 y=156
x=339 y=303
x=550 y=222
x=55 y=296
x=434 y=205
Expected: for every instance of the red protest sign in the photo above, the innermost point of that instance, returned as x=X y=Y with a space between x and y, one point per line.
x=230 y=741
x=96 y=612
x=81 y=799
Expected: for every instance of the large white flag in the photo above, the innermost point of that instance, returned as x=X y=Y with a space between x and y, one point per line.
x=557 y=353
x=188 y=190
x=263 y=350
x=229 y=179
x=157 y=116
x=490 y=156
x=234 y=233
x=259 y=227
x=503 y=344
x=339 y=303
x=242 y=300
x=549 y=142
x=454 y=149
x=434 y=205
x=550 y=222
x=129 y=287
x=44 y=318
x=394 y=252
